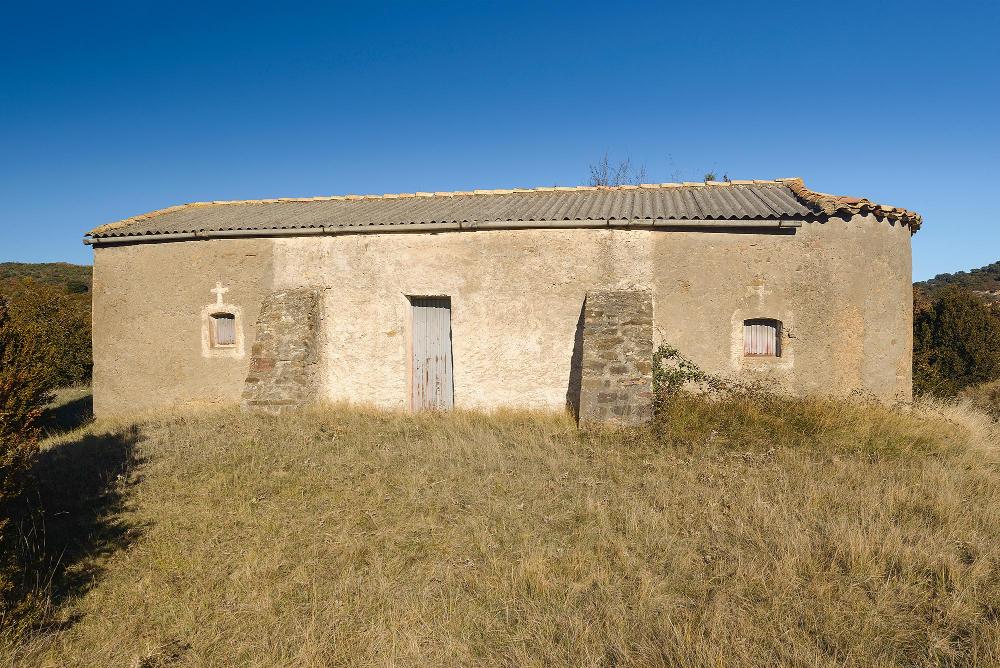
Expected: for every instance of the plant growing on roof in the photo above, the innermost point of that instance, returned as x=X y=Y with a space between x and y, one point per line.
x=604 y=174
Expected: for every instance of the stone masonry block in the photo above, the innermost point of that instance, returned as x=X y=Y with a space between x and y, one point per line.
x=617 y=380
x=284 y=356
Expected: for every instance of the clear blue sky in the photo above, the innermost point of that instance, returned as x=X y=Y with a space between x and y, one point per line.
x=111 y=110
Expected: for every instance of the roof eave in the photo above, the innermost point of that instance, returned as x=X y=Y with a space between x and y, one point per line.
x=831 y=205
x=753 y=224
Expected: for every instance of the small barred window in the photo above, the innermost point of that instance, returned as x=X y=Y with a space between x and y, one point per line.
x=762 y=338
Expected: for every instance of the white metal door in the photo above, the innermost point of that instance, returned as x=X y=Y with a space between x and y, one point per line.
x=432 y=386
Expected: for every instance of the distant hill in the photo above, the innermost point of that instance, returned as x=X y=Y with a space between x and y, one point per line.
x=984 y=280
x=73 y=277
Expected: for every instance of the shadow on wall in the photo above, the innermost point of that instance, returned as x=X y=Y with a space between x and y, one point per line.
x=72 y=513
x=576 y=366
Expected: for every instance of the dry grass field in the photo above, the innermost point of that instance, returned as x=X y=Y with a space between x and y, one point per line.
x=733 y=533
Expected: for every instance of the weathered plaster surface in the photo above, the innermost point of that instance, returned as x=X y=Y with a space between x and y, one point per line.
x=515 y=300
x=148 y=327
x=841 y=289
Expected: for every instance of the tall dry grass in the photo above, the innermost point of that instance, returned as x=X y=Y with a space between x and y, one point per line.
x=734 y=533
x=984 y=397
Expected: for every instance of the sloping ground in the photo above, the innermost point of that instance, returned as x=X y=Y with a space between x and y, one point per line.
x=744 y=533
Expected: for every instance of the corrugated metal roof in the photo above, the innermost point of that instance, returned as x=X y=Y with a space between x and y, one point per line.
x=738 y=201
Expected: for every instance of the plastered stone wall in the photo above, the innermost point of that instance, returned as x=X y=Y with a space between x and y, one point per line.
x=516 y=298
x=148 y=320
x=617 y=373
x=841 y=288
x=284 y=357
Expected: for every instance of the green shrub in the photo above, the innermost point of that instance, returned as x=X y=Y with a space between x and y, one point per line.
x=956 y=343
x=25 y=381
x=58 y=320
x=77 y=287
x=674 y=374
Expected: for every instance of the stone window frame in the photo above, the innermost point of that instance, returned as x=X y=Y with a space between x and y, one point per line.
x=208 y=346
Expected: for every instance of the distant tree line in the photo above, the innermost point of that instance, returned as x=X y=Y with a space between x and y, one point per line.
x=983 y=280
x=76 y=278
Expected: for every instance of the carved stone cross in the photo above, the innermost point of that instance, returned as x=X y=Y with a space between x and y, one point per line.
x=218 y=290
